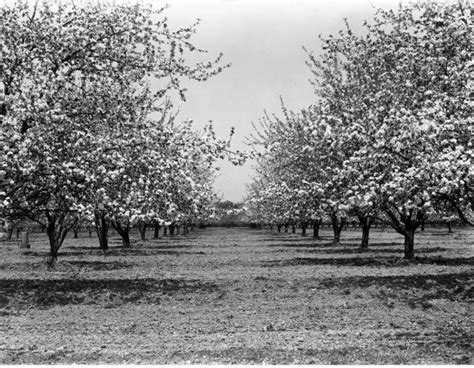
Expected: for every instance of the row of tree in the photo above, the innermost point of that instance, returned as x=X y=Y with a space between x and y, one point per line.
x=389 y=137
x=88 y=131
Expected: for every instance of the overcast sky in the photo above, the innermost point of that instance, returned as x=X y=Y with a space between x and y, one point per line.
x=263 y=40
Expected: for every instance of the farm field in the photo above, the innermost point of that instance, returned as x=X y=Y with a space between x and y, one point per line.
x=237 y=295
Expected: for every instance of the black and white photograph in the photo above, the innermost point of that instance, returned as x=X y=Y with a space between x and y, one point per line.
x=237 y=182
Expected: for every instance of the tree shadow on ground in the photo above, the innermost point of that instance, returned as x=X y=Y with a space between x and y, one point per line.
x=417 y=281
x=291 y=239
x=342 y=246
x=369 y=262
x=172 y=238
x=48 y=293
x=138 y=246
x=296 y=245
x=415 y=290
x=440 y=261
x=433 y=233
x=116 y=251
x=371 y=250
x=166 y=246
x=148 y=251
x=73 y=266
x=345 y=239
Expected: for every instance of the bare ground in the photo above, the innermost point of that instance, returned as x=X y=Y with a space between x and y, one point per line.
x=240 y=296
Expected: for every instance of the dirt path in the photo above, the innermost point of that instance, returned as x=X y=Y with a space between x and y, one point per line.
x=240 y=296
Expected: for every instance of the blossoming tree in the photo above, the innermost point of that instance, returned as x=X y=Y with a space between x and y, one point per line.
x=76 y=86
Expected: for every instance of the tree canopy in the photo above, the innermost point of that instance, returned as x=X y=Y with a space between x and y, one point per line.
x=84 y=133
x=389 y=136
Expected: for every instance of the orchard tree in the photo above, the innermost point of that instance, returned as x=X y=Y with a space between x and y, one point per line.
x=299 y=152
x=159 y=174
x=399 y=101
x=64 y=68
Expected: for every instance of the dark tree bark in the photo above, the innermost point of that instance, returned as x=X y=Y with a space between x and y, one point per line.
x=316 y=226
x=293 y=229
x=287 y=225
x=126 y=238
x=156 y=231
x=142 y=229
x=57 y=227
x=279 y=228
x=165 y=231
x=9 y=233
x=124 y=232
x=406 y=224
x=365 y=223
x=304 y=226
x=172 y=228
x=409 y=245
x=102 y=228
x=337 y=226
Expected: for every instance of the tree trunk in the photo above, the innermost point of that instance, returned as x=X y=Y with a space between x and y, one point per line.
x=410 y=244
x=364 y=244
x=304 y=225
x=75 y=232
x=337 y=226
x=316 y=226
x=142 y=230
x=53 y=243
x=279 y=228
x=102 y=229
x=293 y=229
x=124 y=232
x=156 y=232
x=172 y=227
x=57 y=228
x=9 y=233
x=165 y=231
x=406 y=224
x=126 y=238
x=366 y=223
x=422 y=228
x=286 y=227
x=450 y=227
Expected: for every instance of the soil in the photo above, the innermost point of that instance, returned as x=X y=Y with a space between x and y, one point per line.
x=238 y=295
